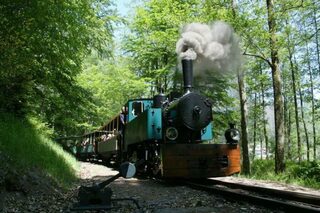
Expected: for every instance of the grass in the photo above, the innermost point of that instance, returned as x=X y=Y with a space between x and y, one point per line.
x=305 y=174
x=28 y=148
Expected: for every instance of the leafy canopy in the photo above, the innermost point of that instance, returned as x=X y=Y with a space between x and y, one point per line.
x=42 y=46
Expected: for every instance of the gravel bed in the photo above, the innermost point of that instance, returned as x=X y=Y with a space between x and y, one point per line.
x=153 y=196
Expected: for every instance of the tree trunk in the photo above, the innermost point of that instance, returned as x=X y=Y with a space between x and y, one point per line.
x=264 y=116
x=312 y=104
x=287 y=124
x=304 y=124
x=289 y=137
x=302 y=114
x=244 y=130
x=294 y=91
x=261 y=145
x=243 y=108
x=318 y=59
x=254 y=126
x=277 y=90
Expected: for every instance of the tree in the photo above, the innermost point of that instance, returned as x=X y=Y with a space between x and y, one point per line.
x=277 y=89
x=312 y=102
x=294 y=90
x=42 y=46
x=154 y=32
x=263 y=87
x=243 y=110
x=111 y=85
x=316 y=29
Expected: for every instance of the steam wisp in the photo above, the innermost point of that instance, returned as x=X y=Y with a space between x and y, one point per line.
x=212 y=47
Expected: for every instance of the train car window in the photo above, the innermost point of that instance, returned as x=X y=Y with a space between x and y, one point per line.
x=137 y=107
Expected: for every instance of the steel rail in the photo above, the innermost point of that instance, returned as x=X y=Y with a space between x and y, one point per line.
x=293 y=196
x=240 y=195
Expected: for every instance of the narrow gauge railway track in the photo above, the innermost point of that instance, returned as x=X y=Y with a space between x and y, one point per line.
x=271 y=198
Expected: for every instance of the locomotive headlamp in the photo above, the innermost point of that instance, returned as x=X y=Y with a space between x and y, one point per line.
x=235 y=134
x=232 y=135
x=172 y=133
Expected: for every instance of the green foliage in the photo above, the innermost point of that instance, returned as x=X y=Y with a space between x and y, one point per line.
x=260 y=167
x=42 y=46
x=304 y=174
x=307 y=171
x=154 y=32
x=110 y=85
x=28 y=149
x=41 y=126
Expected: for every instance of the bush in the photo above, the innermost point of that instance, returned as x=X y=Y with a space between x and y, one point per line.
x=307 y=170
x=304 y=174
x=260 y=168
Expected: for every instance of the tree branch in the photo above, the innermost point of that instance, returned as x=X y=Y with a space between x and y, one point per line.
x=307 y=38
x=258 y=56
x=252 y=43
x=287 y=7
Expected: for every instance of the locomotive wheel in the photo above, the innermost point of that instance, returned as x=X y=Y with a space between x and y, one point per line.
x=154 y=165
x=136 y=156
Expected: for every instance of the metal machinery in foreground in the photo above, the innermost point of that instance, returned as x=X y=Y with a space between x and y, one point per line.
x=98 y=196
x=169 y=136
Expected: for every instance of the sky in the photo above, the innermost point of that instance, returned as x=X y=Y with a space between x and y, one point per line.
x=124 y=9
x=122 y=6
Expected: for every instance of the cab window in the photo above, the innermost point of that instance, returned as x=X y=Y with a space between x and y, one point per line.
x=137 y=108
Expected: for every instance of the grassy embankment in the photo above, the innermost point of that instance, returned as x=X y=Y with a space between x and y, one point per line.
x=28 y=148
x=304 y=174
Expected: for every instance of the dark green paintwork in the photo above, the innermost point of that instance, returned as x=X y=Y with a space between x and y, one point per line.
x=147 y=126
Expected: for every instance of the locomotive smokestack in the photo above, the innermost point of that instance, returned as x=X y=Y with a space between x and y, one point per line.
x=187 y=70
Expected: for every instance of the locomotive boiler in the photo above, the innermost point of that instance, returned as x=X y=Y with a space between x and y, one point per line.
x=169 y=136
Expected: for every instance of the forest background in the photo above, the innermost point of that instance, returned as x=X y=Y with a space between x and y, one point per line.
x=65 y=68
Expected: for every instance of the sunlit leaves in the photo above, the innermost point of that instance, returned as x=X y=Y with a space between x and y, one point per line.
x=110 y=85
x=43 y=43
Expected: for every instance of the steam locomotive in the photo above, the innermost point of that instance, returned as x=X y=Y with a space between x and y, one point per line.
x=167 y=136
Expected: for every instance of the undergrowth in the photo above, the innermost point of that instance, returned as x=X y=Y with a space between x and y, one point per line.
x=304 y=174
x=28 y=148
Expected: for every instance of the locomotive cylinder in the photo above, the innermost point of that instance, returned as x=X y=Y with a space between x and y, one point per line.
x=187 y=69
